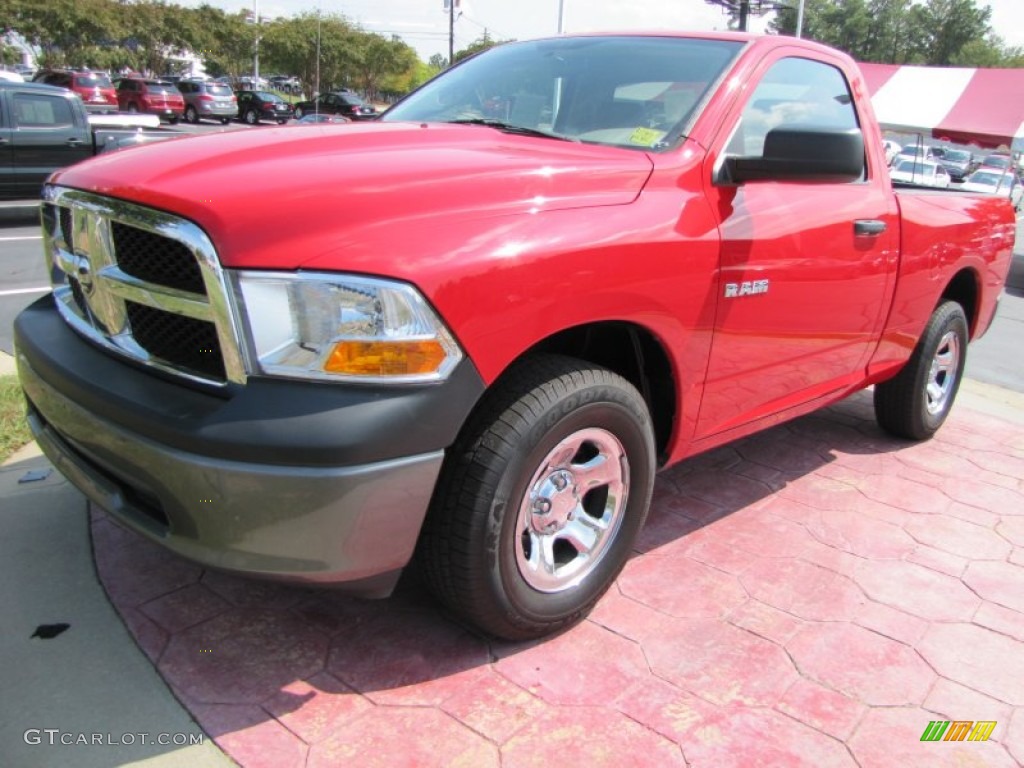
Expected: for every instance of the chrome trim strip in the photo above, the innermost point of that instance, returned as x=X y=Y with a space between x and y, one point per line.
x=105 y=287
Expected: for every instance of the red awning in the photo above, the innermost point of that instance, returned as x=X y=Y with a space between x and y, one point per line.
x=968 y=106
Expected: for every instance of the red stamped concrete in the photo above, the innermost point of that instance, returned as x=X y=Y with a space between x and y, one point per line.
x=811 y=596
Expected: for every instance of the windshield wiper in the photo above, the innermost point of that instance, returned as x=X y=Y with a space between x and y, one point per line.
x=500 y=125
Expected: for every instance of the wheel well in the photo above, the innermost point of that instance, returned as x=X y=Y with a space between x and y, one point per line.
x=635 y=354
x=963 y=289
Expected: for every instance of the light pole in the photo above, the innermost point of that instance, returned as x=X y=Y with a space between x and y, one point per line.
x=800 y=19
x=256 y=48
x=561 y=15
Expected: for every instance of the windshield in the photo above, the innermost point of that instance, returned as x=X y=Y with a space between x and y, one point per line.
x=988 y=179
x=957 y=156
x=997 y=161
x=154 y=86
x=267 y=96
x=93 y=81
x=635 y=92
x=918 y=167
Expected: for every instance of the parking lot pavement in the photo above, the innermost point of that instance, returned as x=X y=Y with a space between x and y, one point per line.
x=815 y=595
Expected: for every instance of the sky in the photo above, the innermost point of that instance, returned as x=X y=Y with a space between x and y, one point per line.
x=423 y=24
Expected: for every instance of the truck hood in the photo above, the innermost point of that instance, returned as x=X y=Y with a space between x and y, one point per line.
x=279 y=198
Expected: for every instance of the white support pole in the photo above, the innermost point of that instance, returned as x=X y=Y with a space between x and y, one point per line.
x=800 y=19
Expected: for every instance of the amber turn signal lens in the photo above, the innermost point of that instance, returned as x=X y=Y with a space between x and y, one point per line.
x=385 y=358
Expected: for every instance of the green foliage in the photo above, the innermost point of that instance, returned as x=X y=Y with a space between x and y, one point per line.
x=482 y=43
x=149 y=35
x=14 y=431
x=933 y=32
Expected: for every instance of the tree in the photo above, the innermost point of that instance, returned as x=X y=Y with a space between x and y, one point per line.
x=947 y=26
x=482 y=43
x=934 y=32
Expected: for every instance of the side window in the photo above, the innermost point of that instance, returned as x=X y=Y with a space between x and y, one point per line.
x=35 y=110
x=793 y=92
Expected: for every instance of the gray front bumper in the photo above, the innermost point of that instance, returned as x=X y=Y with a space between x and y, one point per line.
x=354 y=526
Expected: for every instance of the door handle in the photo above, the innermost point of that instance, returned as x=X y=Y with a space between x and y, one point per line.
x=868 y=227
x=75 y=142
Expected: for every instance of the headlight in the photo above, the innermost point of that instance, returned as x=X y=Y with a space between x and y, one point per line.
x=328 y=326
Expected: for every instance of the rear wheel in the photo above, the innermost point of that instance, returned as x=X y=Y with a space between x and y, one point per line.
x=225 y=120
x=299 y=113
x=191 y=116
x=916 y=402
x=541 y=498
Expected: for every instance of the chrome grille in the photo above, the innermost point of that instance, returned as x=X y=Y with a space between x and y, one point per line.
x=142 y=283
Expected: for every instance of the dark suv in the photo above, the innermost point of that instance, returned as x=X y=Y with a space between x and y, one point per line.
x=155 y=97
x=343 y=103
x=95 y=88
x=204 y=98
x=254 y=106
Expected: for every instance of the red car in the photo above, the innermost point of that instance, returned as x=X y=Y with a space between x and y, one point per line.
x=155 y=97
x=95 y=88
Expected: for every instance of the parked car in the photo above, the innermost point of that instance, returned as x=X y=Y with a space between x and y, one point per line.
x=912 y=151
x=154 y=97
x=925 y=173
x=95 y=88
x=207 y=99
x=995 y=182
x=316 y=119
x=958 y=163
x=337 y=103
x=254 y=106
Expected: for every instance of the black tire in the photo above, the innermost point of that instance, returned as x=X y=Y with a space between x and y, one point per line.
x=252 y=117
x=225 y=120
x=191 y=116
x=299 y=113
x=172 y=120
x=556 y=428
x=282 y=122
x=914 y=403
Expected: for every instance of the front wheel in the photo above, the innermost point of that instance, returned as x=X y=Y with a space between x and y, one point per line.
x=299 y=113
x=191 y=116
x=251 y=117
x=916 y=402
x=541 y=498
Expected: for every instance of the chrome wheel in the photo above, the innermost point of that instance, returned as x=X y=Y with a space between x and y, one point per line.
x=943 y=374
x=572 y=510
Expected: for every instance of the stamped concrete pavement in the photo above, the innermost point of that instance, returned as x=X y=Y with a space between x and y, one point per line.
x=815 y=595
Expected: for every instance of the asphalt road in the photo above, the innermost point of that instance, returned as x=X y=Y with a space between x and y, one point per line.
x=994 y=359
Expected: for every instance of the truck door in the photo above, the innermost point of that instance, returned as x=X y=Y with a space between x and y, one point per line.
x=45 y=137
x=805 y=266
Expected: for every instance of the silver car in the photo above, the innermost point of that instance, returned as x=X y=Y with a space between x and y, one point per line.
x=209 y=99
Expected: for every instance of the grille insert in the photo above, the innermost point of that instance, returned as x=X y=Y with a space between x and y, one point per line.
x=67 y=230
x=182 y=341
x=155 y=258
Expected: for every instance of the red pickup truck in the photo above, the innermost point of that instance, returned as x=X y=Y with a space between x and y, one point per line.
x=473 y=329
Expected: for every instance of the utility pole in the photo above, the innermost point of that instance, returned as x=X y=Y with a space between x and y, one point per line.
x=451 y=32
x=256 y=48
x=561 y=15
x=744 y=13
